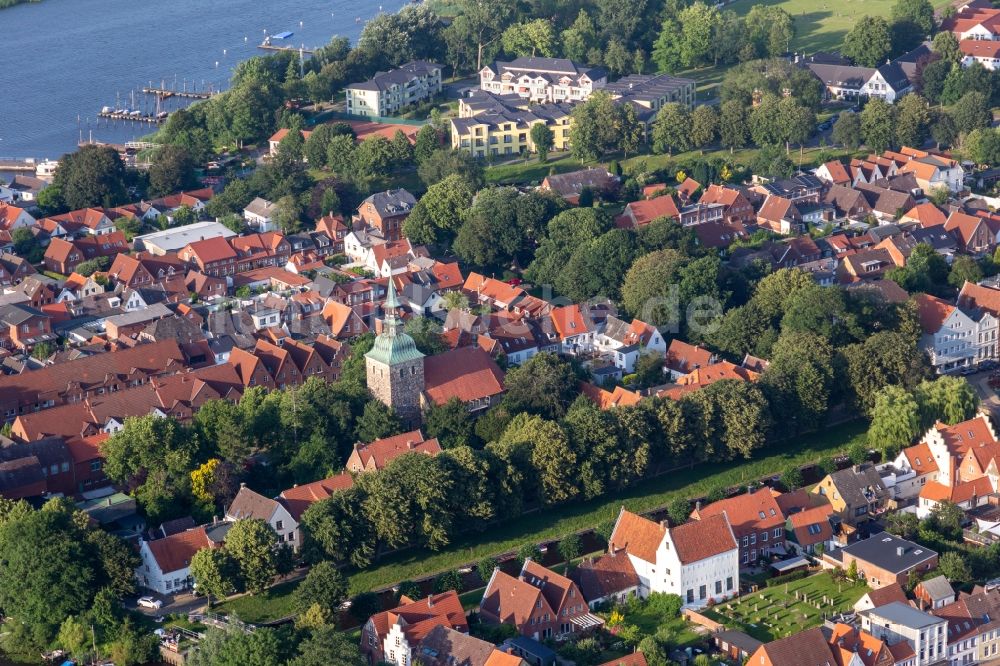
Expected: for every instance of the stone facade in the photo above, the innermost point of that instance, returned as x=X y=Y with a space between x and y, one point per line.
x=399 y=386
x=394 y=366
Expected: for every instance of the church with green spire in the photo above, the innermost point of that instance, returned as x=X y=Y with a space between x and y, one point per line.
x=395 y=367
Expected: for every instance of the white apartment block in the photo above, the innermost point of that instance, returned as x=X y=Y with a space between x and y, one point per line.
x=387 y=93
x=541 y=80
x=893 y=623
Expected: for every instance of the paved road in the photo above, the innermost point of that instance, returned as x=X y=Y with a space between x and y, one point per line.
x=980 y=381
x=182 y=604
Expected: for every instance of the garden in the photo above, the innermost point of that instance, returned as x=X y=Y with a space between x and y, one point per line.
x=788 y=608
x=653 y=625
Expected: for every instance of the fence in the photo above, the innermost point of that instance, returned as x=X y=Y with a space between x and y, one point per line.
x=382 y=120
x=699 y=619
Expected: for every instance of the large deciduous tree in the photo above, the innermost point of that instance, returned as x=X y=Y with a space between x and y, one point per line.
x=252 y=544
x=92 y=176
x=869 y=42
x=878 y=124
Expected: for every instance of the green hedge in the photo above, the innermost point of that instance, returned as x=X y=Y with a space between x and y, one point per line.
x=787 y=578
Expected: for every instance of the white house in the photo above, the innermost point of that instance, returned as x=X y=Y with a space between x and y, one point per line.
x=373 y=253
x=166 y=563
x=12 y=217
x=624 y=342
x=985 y=52
x=248 y=504
x=952 y=337
x=259 y=215
x=698 y=560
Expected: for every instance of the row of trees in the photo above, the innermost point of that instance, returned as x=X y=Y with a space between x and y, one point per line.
x=911 y=121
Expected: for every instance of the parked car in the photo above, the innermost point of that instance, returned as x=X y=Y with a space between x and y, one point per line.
x=988 y=365
x=967 y=370
x=149 y=602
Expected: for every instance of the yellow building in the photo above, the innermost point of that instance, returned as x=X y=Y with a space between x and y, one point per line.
x=499 y=132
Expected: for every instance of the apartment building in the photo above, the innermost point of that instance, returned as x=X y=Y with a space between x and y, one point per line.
x=387 y=93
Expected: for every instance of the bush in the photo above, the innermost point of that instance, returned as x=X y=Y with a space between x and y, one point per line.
x=449 y=580
x=409 y=589
x=665 y=605
x=787 y=578
x=365 y=605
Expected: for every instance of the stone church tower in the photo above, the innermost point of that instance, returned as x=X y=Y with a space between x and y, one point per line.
x=395 y=367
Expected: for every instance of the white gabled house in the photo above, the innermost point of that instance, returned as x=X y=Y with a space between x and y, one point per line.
x=166 y=562
x=699 y=560
x=624 y=342
x=259 y=215
x=954 y=338
x=248 y=504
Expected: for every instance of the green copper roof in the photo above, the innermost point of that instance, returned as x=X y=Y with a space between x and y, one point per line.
x=393 y=346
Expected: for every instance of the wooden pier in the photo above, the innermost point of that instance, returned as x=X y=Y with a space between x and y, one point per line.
x=152 y=120
x=295 y=49
x=12 y=164
x=164 y=93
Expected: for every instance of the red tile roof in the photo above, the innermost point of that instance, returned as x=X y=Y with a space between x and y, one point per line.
x=638 y=536
x=683 y=357
x=634 y=659
x=383 y=451
x=608 y=399
x=417 y=618
x=300 y=498
x=920 y=458
x=927 y=214
x=933 y=312
x=644 y=212
x=802 y=520
x=746 y=512
x=701 y=539
x=569 y=320
x=212 y=249
x=174 y=552
x=466 y=373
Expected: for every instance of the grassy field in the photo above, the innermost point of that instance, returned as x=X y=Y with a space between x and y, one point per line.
x=532 y=171
x=776 y=612
x=821 y=25
x=278 y=602
x=558 y=521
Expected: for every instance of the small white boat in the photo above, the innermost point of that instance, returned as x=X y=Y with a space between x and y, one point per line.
x=105 y=109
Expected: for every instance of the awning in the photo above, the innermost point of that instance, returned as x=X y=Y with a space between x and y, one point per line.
x=788 y=565
x=588 y=621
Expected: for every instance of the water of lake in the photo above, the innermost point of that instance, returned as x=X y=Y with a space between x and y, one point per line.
x=65 y=59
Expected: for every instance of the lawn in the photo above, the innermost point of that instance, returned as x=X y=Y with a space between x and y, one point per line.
x=278 y=602
x=557 y=521
x=821 y=25
x=809 y=156
x=531 y=170
x=776 y=612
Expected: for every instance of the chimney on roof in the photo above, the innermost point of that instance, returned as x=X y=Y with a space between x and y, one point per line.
x=243 y=484
x=430 y=601
x=900 y=551
x=697 y=505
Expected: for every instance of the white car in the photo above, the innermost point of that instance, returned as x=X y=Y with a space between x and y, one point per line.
x=149 y=602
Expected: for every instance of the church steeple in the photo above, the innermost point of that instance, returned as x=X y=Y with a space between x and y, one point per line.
x=395 y=367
